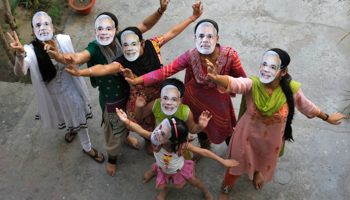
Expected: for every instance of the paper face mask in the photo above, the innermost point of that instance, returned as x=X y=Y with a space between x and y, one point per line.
x=104 y=30
x=170 y=99
x=162 y=133
x=206 y=38
x=131 y=45
x=269 y=68
x=42 y=26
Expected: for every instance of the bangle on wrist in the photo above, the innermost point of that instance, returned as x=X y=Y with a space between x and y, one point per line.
x=127 y=125
x=160 y=12
x=192 y=19
x=22 y=55
x=90 y=72
x=326 y=117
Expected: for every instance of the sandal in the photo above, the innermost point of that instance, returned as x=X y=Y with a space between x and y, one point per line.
x=70 y=135
x=96 y=156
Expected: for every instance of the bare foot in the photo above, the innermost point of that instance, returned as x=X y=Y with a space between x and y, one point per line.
x=258 y=180
x=148 y=175
x=133 y=142
x=149 y=147
x=111 y=168
x=196 y=157
x=163 y=193
x=224 y=196
x=208 y=195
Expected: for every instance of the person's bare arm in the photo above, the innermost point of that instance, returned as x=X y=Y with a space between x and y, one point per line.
x=132 y=125
x=213 y=156
x=21 y=67
x=202 y=122
x=151 y=20
x=142 y=109
x=176 y=30
x=96 y=70
x=80 y=57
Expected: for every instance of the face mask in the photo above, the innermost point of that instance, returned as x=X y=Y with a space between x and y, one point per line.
x=206 y=38
x=159 y=135
x=104 y=30
x=269 y=69
x=42 y=26
x=170 y=100
x=131 y=45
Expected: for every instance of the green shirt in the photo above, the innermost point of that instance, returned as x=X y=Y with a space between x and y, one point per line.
x=182 y=112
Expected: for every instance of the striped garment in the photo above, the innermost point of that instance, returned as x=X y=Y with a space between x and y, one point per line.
x=202 y=93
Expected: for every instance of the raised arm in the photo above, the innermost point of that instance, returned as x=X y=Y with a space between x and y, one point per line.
x=21 y=67
x=202 y=122
x=213 y=156
x=96 y=70
x=176 y=30
x=222 y=80
x=151 y=20
x=132 y=125
x=80 y=57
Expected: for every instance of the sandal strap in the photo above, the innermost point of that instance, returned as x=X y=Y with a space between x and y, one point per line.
x=226 y=189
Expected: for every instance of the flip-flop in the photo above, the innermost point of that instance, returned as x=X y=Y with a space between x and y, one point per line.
x=70 y=135
x=96 y=156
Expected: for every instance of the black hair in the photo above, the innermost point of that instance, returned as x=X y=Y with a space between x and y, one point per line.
x=182 y=131
x=207 y=20
x=285 y=84
x=114 y=18
x=175 y=82
x=136 y=31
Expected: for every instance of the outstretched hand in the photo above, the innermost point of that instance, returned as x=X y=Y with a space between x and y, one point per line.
x=204 y=118
x=51 y=48
x=16 y=44
x=163 y=5
x=335 y=117
x=212 y=69
x=230 y=163
x=140 y=100
x=197 y=10
x=127 y=73
x=72 y=67
x=122 y=115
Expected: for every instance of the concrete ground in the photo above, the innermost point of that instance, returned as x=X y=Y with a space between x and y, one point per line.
x=38 y=164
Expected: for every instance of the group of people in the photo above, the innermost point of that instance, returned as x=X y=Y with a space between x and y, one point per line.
x=135 y=94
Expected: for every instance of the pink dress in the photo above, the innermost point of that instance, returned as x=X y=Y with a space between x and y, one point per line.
x=258 y=139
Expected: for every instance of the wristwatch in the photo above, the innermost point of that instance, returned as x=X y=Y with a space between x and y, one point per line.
x=22 y=55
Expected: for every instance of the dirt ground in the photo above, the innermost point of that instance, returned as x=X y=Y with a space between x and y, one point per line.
x=23 y=18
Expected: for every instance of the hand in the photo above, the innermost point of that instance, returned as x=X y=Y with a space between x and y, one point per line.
x=163 y=5
x=122 y=115
x=134 y=81
x=335 y=117
x=197 y=10
x=72 y=67
x=51 y=48
x=212 y=69
x=230 y=163
x=204 y=119
x=140 y=100
x=127 y=73
x=16 y=44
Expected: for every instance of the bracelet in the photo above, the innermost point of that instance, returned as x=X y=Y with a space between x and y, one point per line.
x=160 y=12
x=22 y=55
x=326 y=117
x=127 y=125
x=192 y=19
x=90 y=72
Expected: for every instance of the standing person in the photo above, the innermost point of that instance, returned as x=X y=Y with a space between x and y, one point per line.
x=170 y=141
x=141 y=56
x=62 y=99
x=201 y=92
x=113 y=90
x=270 y=100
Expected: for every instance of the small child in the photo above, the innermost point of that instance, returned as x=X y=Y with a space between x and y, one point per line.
x=168 y=106
x=169 y=140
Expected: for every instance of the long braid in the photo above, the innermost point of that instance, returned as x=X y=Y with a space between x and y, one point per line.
x=284 y=82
